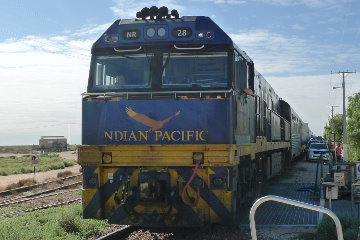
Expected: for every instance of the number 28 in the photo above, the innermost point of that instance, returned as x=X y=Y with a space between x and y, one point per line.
x=182 y=33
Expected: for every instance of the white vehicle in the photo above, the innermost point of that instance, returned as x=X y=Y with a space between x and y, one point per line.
x=316 y=149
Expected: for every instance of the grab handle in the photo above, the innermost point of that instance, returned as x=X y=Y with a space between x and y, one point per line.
x=128 y=50
x=189 y=48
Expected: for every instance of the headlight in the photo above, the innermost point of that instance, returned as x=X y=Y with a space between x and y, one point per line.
x=107 y=38
x=106 y=157
x=161 y=32
x=198 y=157
x=150 y=32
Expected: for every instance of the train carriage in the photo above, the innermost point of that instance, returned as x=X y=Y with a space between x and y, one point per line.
x=179 y=129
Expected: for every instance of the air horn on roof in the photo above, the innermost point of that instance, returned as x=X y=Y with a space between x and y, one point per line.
x=158 y=13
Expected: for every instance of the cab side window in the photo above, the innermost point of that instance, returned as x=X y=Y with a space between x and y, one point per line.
x=241 y=71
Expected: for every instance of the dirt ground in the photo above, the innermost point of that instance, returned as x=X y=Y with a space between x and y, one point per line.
x=39 y=176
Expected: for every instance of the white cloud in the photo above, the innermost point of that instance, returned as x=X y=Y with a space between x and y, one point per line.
x=230 y=2
x=274 y=53
x=278 y=55
x=59 y=38
x=298 y=27
x=308 y=3
x=92 y=30
x=310 y=96
x=41 y=79
x=12 y=46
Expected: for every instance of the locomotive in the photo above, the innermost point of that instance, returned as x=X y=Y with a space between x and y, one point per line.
x=178 y=127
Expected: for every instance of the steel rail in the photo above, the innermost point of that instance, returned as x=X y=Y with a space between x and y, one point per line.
x=39 y=193
x=293 y=203
x=41 y=196
x=38 y=184
x=119 y=234
x=42 y=207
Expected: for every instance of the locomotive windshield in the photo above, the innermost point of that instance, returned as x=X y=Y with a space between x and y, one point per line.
x=195 y=70
x=160 y=71
x=121 y=72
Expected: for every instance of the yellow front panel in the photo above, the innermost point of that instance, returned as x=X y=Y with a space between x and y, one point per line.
x=155 y=155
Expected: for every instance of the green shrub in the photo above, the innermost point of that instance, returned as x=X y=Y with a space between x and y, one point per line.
x=16 y=149
x=351 y=234
x=68 y=164
x=326 y=229
x=92 y=227
x=58 y=223
x=23 y=164
x=44 y=155
x=26 y=170
x=56 y=166
x=69 y=222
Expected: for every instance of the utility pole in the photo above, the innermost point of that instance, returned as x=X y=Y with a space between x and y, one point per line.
x=333 y=133
x=344 y=115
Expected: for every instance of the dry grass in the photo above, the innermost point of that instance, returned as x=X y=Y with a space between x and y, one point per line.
x=50 y=179
x=27 y=182
x=64 y=174
x=59 y=181
x=21 y=183
x=12 y=186
x=54 y=179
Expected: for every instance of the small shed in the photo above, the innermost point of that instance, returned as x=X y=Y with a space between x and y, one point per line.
x=53 y=143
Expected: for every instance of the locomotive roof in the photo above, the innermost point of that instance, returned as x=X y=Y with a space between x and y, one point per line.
x=133 y=32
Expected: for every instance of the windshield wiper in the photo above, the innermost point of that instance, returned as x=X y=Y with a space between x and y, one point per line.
x=125 y=55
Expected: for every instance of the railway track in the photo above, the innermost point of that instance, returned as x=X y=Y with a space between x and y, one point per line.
x=49 y=194
x=121 y=233
x=43 y=207
x=29 y=198
x=26 y=188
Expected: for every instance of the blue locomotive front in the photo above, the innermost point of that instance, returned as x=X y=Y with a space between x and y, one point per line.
x=178 y=128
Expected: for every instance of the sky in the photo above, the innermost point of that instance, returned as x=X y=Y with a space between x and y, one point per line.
x=299 y=46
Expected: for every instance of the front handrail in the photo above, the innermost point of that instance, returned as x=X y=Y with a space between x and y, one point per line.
x=112 y=94
x=189 y=48
x=293 y=203
x=127 y=50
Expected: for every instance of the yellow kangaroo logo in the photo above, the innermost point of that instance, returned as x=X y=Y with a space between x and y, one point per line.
x=153 y=124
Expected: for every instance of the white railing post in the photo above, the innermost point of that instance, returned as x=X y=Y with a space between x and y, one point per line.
x=293 y=203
